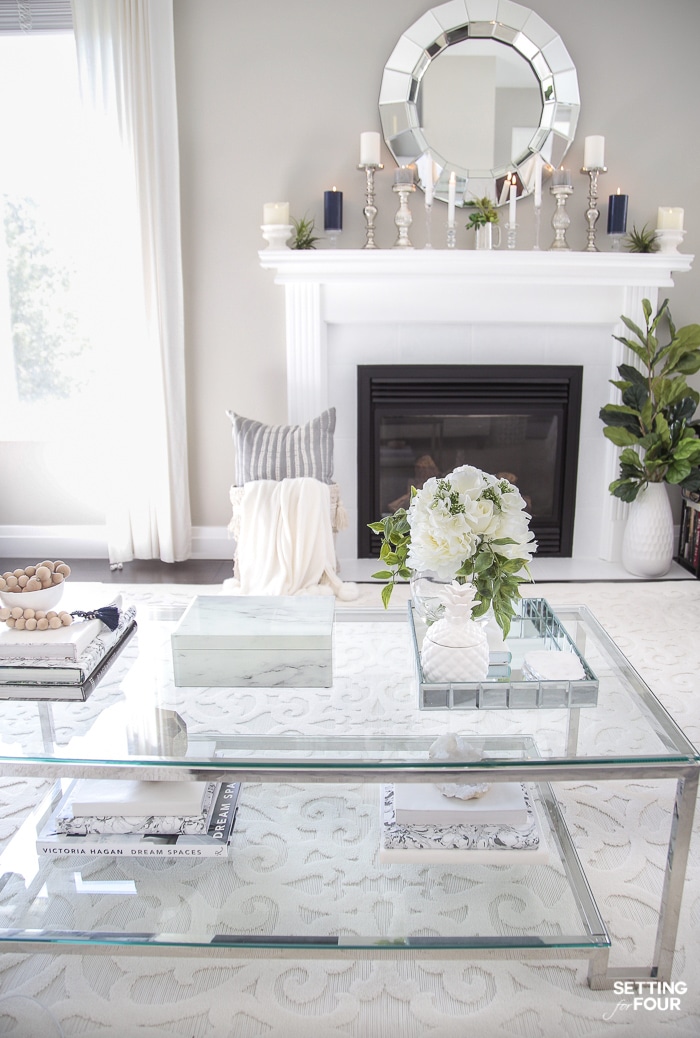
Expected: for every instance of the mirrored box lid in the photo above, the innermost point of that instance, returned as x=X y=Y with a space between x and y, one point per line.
x=255 y=641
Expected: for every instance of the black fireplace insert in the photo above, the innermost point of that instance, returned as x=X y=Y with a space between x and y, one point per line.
x=517 y=421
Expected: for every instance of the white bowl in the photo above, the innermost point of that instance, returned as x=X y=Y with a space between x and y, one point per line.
x=45 y=598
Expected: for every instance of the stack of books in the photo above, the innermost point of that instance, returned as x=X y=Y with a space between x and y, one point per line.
x=63 y=664
x=129 y=819
x=422 y=826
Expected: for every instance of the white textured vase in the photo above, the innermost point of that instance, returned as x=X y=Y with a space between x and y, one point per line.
x=455 y=649
x=647 y=544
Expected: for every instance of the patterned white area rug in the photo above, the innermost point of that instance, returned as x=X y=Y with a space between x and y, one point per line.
x=621 y=835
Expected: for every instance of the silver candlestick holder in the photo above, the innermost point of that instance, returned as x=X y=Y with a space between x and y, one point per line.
x=511 y=234
x=592 y=213
x=428 y=225
x=560 y=218
x=403 y=218
x=370 y=209
x=538 y=216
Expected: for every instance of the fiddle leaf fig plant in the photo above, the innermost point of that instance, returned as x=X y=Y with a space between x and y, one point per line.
x=654 y=423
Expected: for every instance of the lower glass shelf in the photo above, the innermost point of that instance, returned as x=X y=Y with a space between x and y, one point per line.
x=303 y=874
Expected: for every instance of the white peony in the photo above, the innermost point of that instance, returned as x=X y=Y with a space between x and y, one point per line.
x=468 y=481
x=454 y=519
x=441 y=544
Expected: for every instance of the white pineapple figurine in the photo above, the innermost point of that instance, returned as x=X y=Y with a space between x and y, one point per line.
x=456 y=647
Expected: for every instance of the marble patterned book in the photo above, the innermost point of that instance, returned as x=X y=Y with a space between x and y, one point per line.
x=35 y=668
x=50 y=842
x=448 y=844
x=64 y=683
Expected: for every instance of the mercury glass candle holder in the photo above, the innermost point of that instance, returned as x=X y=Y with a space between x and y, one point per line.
x=511 y=234
x=428 y=225
x=592 y=213
x=403 y=218
x=560 y=218
x=538 y=218
x=370 y=209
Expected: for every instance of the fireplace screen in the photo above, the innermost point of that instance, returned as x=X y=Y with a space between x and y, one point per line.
x=520 y=422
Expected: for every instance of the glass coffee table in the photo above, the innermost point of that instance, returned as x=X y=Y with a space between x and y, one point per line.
x=305 y=875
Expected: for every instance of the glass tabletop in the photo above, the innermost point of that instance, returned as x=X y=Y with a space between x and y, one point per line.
x=366 y=721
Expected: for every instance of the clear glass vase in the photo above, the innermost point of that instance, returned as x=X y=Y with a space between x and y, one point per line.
x=427 y=596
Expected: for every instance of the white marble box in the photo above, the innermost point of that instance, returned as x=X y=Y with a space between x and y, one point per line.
x=255 y=641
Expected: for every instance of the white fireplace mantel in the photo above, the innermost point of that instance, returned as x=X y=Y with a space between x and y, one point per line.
x=345 y=307
x=441 y=286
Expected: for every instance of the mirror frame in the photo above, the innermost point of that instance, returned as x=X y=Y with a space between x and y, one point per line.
x=508 y=24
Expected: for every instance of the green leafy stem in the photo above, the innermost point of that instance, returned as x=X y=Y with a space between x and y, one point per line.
x=496 y=579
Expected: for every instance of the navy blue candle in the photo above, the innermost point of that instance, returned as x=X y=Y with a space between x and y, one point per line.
x=333 y=210
x=617 y=214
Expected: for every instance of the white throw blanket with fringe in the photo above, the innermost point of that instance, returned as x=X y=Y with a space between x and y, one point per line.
x=285 y=544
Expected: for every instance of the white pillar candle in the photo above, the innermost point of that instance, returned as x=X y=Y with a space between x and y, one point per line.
x=511 y=207
x=451 y=195
x=538 y=181
x=670 y=218
x=276 y=212
x=370 y=143
x=429 y=185
x=594 y=152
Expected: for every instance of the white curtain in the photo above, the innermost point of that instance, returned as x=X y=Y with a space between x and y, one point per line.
x=127 y=78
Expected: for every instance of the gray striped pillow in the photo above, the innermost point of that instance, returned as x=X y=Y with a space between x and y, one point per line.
x=283 y=451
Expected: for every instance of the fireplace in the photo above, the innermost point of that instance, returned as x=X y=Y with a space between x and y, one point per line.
x=349 y=307
x=519 y=421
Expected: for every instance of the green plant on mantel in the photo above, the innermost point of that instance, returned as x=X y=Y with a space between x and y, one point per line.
x=483 y=212
x=304 y=237
x=654 y=423
x=645 y=240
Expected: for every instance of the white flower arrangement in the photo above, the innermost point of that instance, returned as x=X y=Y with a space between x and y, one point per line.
x=468 y=525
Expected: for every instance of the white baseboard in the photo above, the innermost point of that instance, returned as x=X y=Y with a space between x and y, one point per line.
x=90 y=542
x=212 y=542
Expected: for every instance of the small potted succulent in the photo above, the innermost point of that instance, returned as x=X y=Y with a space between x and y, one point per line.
x=645 y=240
x=304 y=237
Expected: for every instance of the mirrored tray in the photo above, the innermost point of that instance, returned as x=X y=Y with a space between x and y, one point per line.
x=535 y=628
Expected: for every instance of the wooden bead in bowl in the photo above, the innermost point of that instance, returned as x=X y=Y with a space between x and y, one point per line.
x=45 y=576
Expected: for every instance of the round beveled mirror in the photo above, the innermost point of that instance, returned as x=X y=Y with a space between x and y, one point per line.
x=484 y=89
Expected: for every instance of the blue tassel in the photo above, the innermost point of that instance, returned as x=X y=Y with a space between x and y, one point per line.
x=109 y=615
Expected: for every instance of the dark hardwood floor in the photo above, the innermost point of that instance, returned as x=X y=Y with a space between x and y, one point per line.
x=143 y=571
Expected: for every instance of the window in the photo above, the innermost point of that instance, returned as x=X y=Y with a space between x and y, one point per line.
x=48 y=367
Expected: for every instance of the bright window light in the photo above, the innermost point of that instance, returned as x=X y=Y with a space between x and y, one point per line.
x=48 y=366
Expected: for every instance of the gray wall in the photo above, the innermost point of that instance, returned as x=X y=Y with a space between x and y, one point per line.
x=273 y=96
